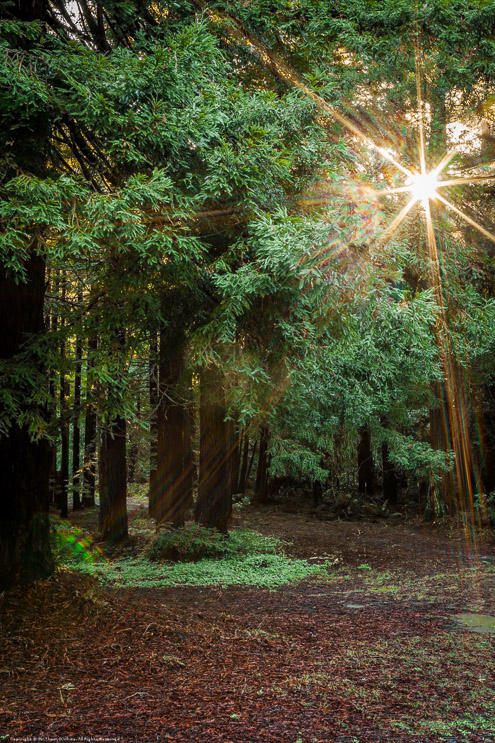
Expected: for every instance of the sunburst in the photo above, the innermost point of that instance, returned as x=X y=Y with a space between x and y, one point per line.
x=424 y=186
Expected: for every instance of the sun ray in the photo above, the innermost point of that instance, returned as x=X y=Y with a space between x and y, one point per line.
x=467 y=219
x=387 y=234
x=458 y=181
x=446 y=159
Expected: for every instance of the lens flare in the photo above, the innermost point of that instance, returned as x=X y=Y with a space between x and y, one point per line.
x=424 y=186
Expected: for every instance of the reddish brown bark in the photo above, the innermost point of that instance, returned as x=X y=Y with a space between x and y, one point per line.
x=113 y=481
x=214 y=504
x=24 y=462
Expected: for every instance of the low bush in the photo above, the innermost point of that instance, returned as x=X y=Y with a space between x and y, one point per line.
x=195 y=542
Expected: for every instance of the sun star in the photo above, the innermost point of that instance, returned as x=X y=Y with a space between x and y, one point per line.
x=424 y=186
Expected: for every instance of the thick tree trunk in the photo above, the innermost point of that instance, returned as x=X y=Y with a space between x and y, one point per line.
x=133 y=454
x=113 y=481
x=154 y=400
x=76 y=430
x=261 y=485
x=25 y=553
x=63 y=503
x=173 y=493
x=24 y=463
x=366 y=469
x=89 y=467
x=52 y=324
x=487 y=443
x=188 y=467
x=214 y=504
x=440 y=439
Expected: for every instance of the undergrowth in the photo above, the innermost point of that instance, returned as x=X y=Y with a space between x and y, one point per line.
x=241 y=558
x=264 y=570
x=195 y=542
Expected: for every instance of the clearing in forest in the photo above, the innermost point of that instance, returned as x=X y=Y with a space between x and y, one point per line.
x=390 y=640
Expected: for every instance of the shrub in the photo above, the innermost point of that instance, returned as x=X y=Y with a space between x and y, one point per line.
x=195 y=542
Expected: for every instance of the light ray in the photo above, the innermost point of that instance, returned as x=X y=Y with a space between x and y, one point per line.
x=466 y=218
x=423 y=186
x=457 y=181
x=446 y=159
x=396 y=222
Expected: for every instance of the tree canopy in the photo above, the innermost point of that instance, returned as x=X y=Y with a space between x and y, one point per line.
x=227 y=177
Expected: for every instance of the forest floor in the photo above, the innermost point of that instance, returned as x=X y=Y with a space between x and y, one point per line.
x=395 y=644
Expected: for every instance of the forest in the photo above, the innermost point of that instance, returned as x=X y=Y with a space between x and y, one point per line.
x=247 y=371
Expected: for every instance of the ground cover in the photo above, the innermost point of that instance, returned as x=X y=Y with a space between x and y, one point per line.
x=367 y=646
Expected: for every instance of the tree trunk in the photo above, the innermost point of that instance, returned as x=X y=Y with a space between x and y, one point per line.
x=390 y=485
x=63 y=503
x=173 y=492
x=250 y=465
x=25 y=553
x=241 y=488
x=440 y=439
x=487 y=443
x=112 y=481
x=89 y=467
x=235 y=457
x=214 y=504
x=154 y=400
x=366 y=469
x=52 y=324
x=261 y=485
x=188 y=467
x=76 y=430
x=133 y=455
x=317 y=493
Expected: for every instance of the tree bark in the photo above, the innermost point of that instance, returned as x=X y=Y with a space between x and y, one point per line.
x=214 y=504
x=235 y=457
x=366 y=469
x=261 y=485
x=188 y=467
x=487 y=444
x=173 y=485
x=250 y=465
x=89 y=467
x=25 y=553
x=154 y=400
x=244 y=465
x=113 y=481
x=63 y=503
x=133 y=455
x=76 y=430
x=440 y=439
x=168 y=505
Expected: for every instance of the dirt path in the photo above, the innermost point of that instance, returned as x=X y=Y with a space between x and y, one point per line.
x=370 y=656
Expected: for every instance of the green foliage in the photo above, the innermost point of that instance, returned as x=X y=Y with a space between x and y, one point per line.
x=71 y=546
x=195 y=542
x=242 y=558
x=263 y=570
